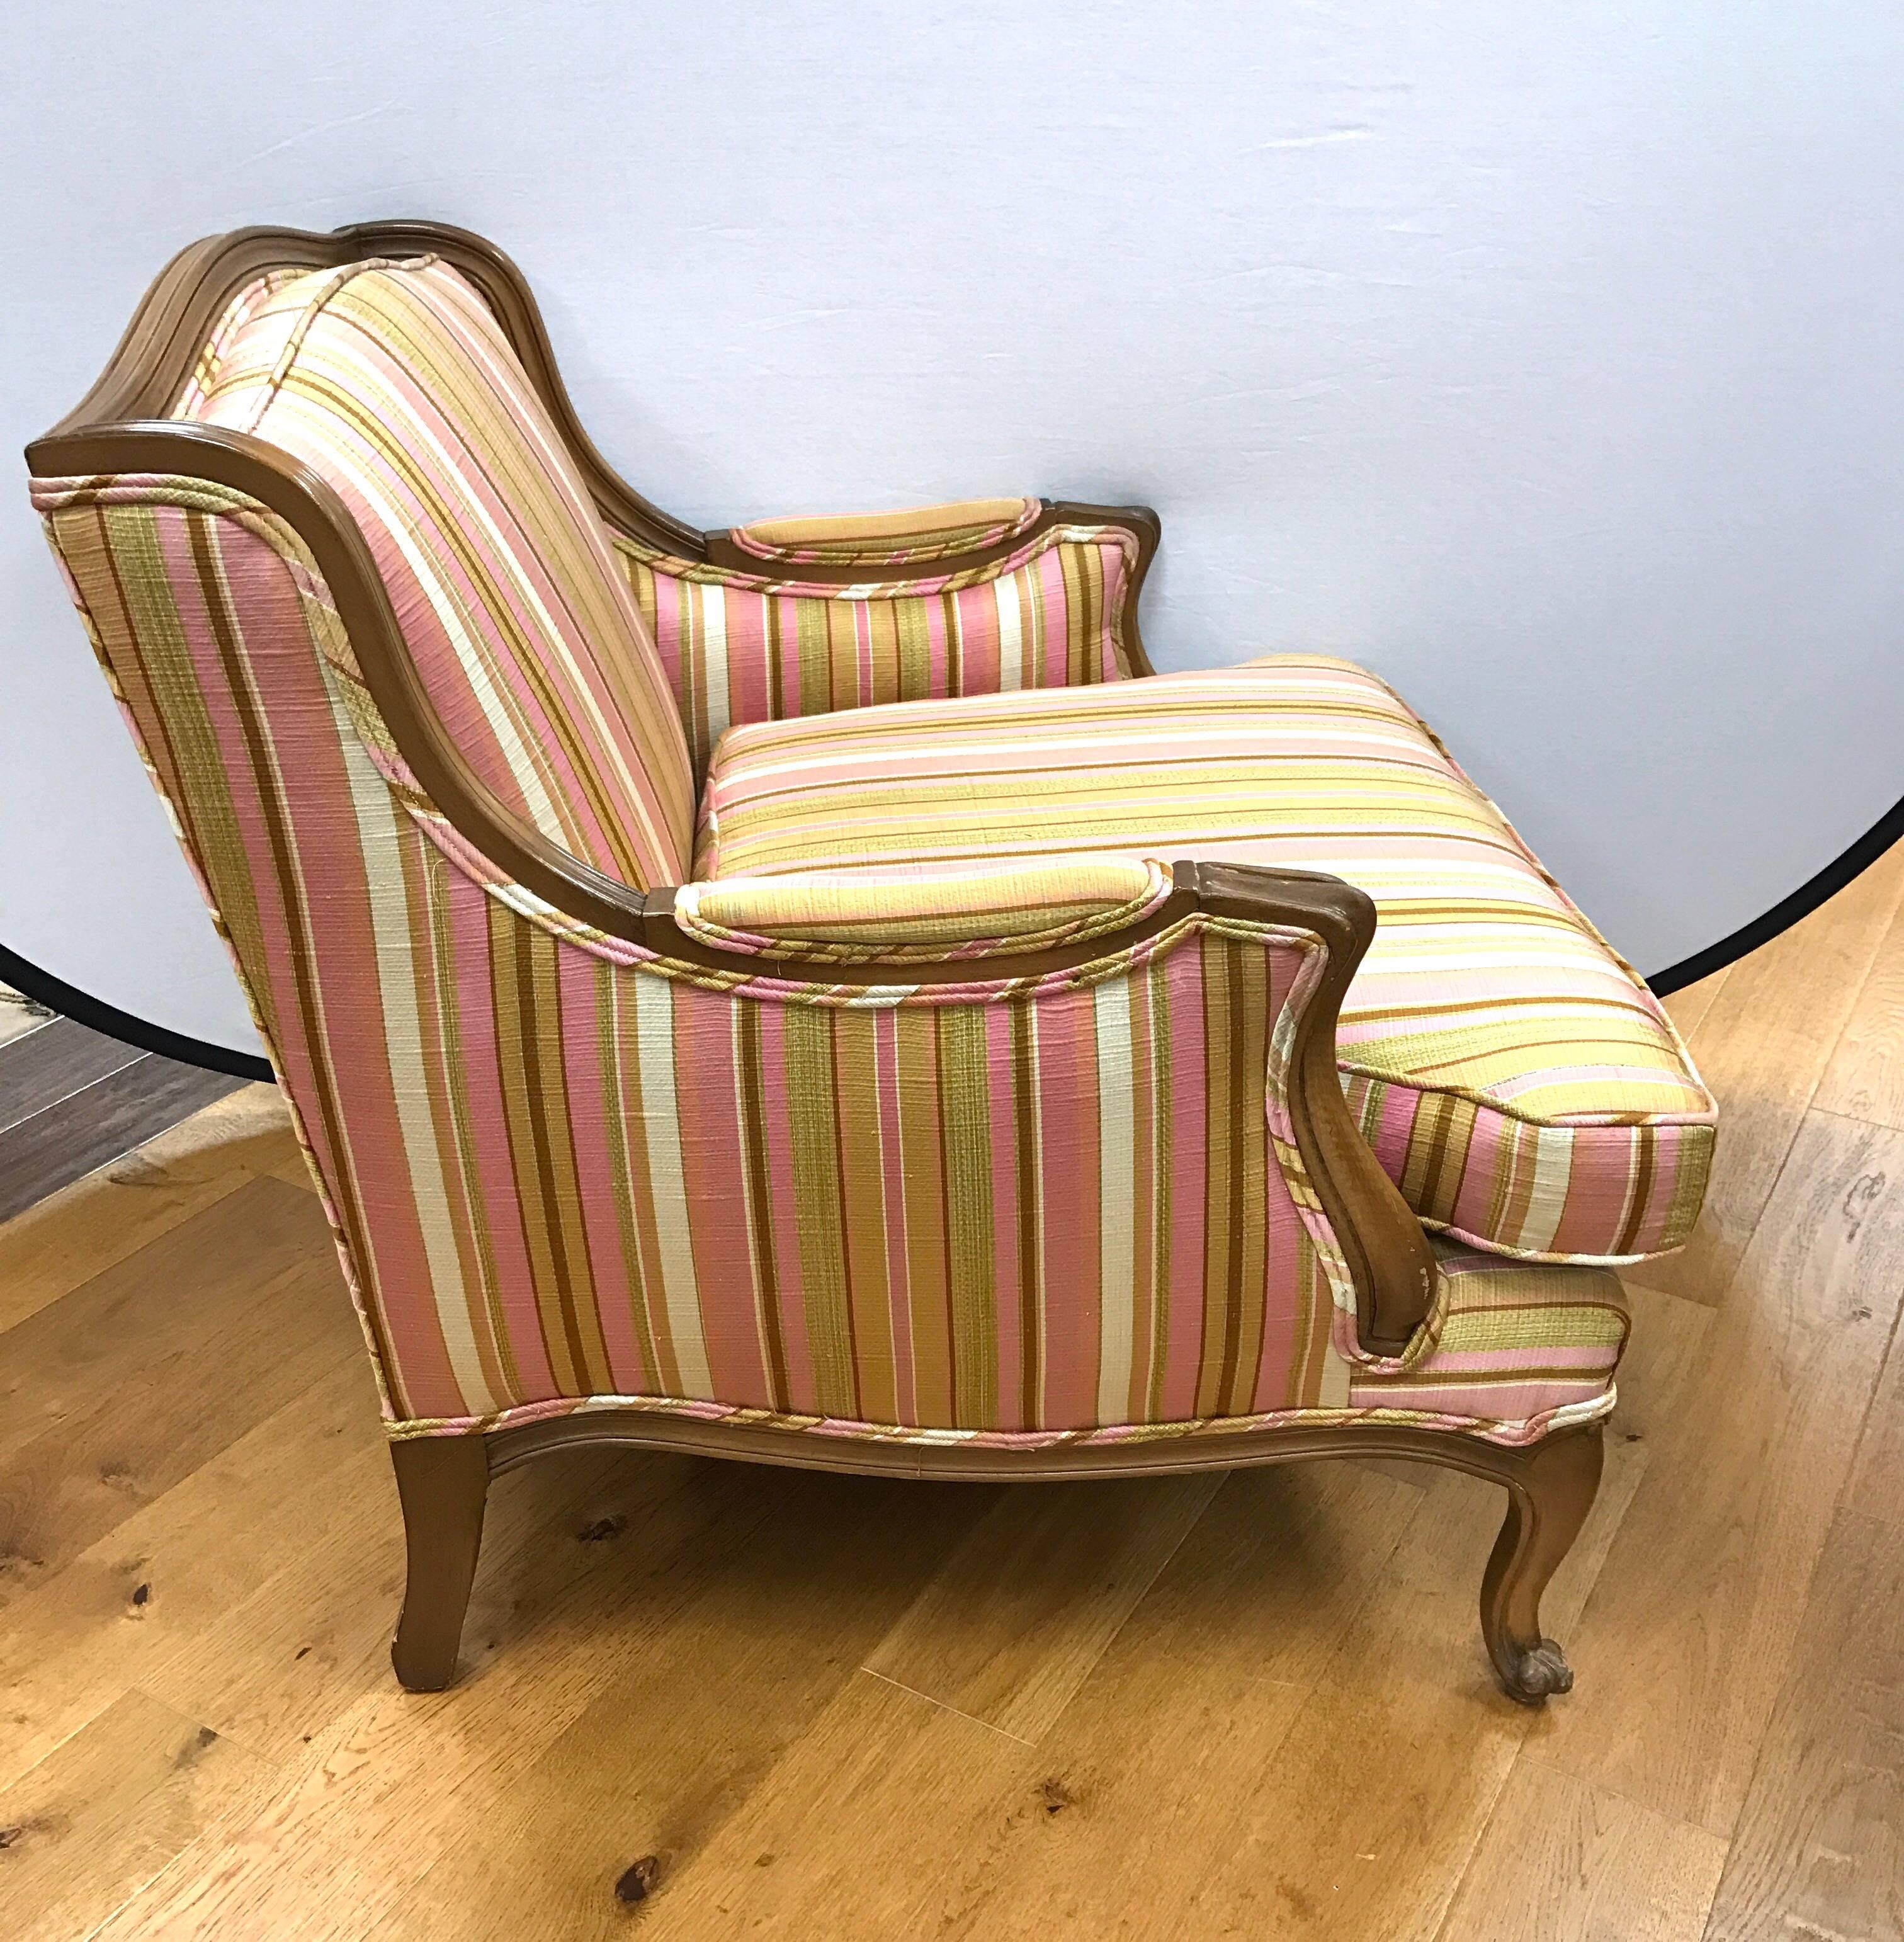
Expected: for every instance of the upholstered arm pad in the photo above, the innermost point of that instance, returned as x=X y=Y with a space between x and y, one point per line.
x=930 y=912
x=886 y=539
x=804 y=617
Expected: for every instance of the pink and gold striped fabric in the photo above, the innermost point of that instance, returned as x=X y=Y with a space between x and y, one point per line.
x=741 y=647
x=395 y=385
x=564 y=1173
x=1520 y=1085
x=1539 y=1342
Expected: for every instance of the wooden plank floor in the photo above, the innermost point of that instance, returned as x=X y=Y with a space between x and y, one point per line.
x=72 y=1100
x=1199 y=1708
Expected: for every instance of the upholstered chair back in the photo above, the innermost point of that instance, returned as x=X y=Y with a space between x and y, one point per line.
x=408 y=996
x=395 y=385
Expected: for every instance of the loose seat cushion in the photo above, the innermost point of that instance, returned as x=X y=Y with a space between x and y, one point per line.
x=392 y=382
x=1522 y=1087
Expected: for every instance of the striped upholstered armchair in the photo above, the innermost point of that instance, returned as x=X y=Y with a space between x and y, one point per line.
x=739 y=991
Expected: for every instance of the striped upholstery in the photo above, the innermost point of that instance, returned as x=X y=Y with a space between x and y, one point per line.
x=245 y=305
x=563 y=1173
x=939 y=912
x=1542 y=1338
x=395 y=385
x=887 y=539
x=745 y=648
x=1513 y=1349
x=1522 y=1087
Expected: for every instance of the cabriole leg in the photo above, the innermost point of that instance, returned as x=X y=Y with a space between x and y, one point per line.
x=1551 y=1489
x=443 y=1482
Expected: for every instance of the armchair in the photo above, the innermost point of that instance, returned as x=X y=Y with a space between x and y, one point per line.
x=729 y=990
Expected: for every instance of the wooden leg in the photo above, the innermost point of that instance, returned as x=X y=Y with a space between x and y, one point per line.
x=443 y=1482
x=1551 y=1489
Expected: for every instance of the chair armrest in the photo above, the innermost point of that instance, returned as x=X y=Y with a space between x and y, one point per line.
x=926 y=542
x=923 y=533
x=928 y=913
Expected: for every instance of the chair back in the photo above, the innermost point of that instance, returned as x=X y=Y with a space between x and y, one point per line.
x=395 y=385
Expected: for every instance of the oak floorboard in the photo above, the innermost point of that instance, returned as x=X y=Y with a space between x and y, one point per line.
x=1146 y=1785
x=1103 y=1829
x=103 y=1814
x=122 y=1388
x=1669 y=1345
x=1877 y=1483
x=903 y=1774
x=288 y=1164
x=1761 y=1047
x=357 y=1815
x=1701 y=1601
x=306 y=1642
x=663 y=1755
x=1409 y=1676
x=1865 y=1079
x=1375 y=1795
x=162 y=1581
x=1009 y=1629
x=1565 y=1861
x=1819 y=1849
x=98 y=1220
x=115 y=1327
x=1687 y=1006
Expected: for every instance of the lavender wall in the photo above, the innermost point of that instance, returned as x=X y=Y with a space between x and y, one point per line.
x=1545 y=358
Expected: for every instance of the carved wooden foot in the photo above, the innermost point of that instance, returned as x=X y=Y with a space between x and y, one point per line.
x=443 y=1482
x=1551 y=1489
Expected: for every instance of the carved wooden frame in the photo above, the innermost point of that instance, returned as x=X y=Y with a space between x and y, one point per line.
x=120 y=427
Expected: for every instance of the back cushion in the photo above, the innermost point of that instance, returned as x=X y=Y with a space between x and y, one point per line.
x=395 y=383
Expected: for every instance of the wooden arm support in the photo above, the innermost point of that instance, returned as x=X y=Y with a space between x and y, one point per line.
x=1388 y=1252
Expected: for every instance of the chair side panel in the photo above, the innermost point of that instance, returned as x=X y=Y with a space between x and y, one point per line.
x=557 y=1177
x=204 y=611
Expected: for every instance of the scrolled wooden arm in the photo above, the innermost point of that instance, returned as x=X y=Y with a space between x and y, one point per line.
x=1388 y=1252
